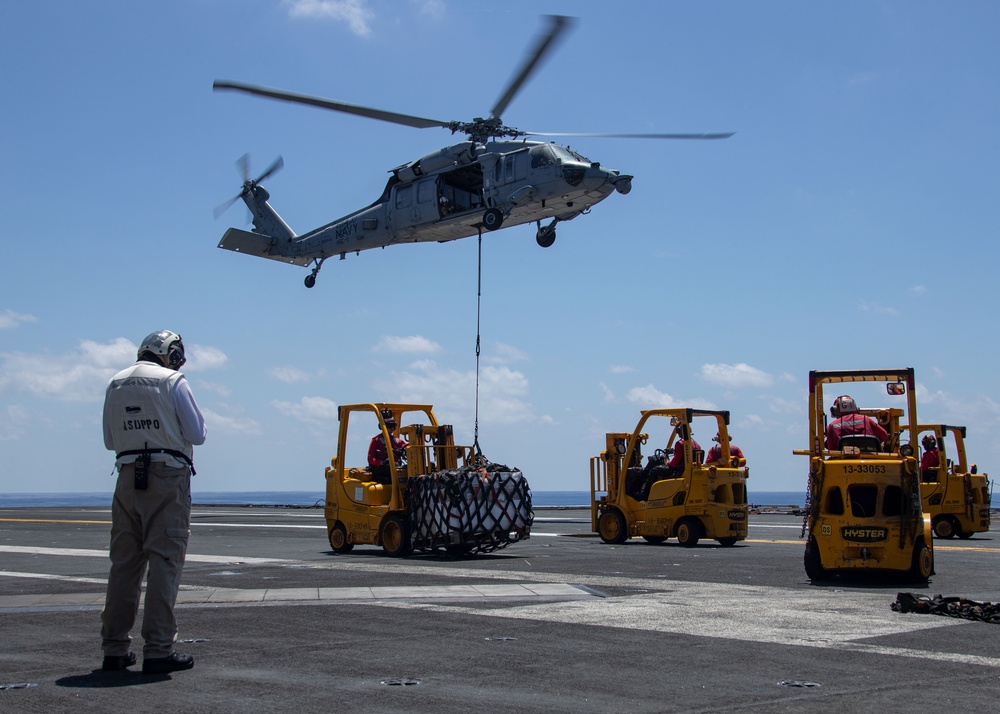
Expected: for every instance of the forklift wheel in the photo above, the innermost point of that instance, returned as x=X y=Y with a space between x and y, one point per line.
x=396 y=536
x=612 y=528
x=688 y=532
x=338 y=539
x=923 y=562
x=945 y=527
x=814 y=566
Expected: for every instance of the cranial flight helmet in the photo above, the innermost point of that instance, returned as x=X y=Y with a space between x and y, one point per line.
x=929 y=442
x=166 y=348
x=843 y=405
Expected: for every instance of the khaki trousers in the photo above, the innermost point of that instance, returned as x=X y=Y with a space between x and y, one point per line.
x=149 y=527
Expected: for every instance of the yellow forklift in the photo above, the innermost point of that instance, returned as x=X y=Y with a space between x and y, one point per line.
x=431 y=495
x=956 y=495
x=689 y=500
x=864 y=510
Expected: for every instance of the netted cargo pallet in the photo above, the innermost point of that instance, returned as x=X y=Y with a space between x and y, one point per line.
x=477 y=509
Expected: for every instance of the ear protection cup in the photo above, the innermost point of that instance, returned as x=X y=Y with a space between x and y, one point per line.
x=175 y=357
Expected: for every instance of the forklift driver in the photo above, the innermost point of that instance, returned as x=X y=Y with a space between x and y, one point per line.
x=378 y=455
x=931 y=459
x=849 y=421
x=676 y=462
x=714 y=455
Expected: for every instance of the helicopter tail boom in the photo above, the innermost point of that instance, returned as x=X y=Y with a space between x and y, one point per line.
x=259 y=245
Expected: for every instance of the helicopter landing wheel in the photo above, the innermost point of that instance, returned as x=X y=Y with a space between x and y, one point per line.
x=311 y=278
x=545 y=237
x=492 y=219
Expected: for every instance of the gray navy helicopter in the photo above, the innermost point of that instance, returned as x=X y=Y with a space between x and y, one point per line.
x=494 y=179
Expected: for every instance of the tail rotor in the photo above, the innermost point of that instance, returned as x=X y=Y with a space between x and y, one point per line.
x=250 y=186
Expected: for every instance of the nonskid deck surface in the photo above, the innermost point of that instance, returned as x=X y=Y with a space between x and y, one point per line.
x=560 y=622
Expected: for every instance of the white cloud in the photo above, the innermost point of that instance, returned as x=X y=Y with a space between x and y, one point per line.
x=621 y=368
x=979 y=410
x=918 y=289
x=609 y=396
x=877 y=309
x=232 y=424
x=201 y=358
x=316 y=412
x=431 y=8
x=649 y=397
x=290 y=375
x=13 y=422
x=355 y=13
x=220 y=389
x=501 y=392
x=81 y=375
x=9 y=319
x=778 y=405
x=862 y=79
x=117 y=354
x=78 y=376
x=414 y=344
x=736 y=375
x=503 y=354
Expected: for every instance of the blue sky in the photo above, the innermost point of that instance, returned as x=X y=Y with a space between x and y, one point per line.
x=849 y=223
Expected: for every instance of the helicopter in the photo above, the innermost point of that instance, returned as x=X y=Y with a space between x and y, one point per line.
x=496 y=178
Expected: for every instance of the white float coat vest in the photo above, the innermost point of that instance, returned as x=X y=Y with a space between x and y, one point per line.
x=140 y=406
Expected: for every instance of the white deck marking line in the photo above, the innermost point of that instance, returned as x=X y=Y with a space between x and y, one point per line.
x=49 y=576
x=194 y=597
x=89 y=553
x=80 y=579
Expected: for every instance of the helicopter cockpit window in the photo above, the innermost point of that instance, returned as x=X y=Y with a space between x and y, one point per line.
x=511 y=167
x=541 y=156
x=565 y=154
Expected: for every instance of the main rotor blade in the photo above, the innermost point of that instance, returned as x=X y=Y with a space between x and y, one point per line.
x=724 y=135
x=404 y=119
x=558 y=23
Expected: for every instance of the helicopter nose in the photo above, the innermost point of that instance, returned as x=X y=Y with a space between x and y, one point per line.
x=623 y=185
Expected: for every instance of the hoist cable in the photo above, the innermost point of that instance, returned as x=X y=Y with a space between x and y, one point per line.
x=479 y=301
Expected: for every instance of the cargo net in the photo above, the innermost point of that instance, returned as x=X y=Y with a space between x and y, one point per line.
x=474 y=509
x=948 y=606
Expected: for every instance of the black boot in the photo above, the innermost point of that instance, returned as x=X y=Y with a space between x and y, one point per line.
x=162 y=665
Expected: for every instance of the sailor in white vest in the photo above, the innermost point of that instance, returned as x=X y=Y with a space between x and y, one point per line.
x=151 y=422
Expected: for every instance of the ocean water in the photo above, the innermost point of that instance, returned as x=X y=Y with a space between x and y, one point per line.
x=304 y=499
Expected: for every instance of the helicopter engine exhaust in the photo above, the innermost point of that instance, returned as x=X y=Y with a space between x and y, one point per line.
x=457 y=155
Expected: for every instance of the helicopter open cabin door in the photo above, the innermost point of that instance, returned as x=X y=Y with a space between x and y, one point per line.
x=461 y=191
